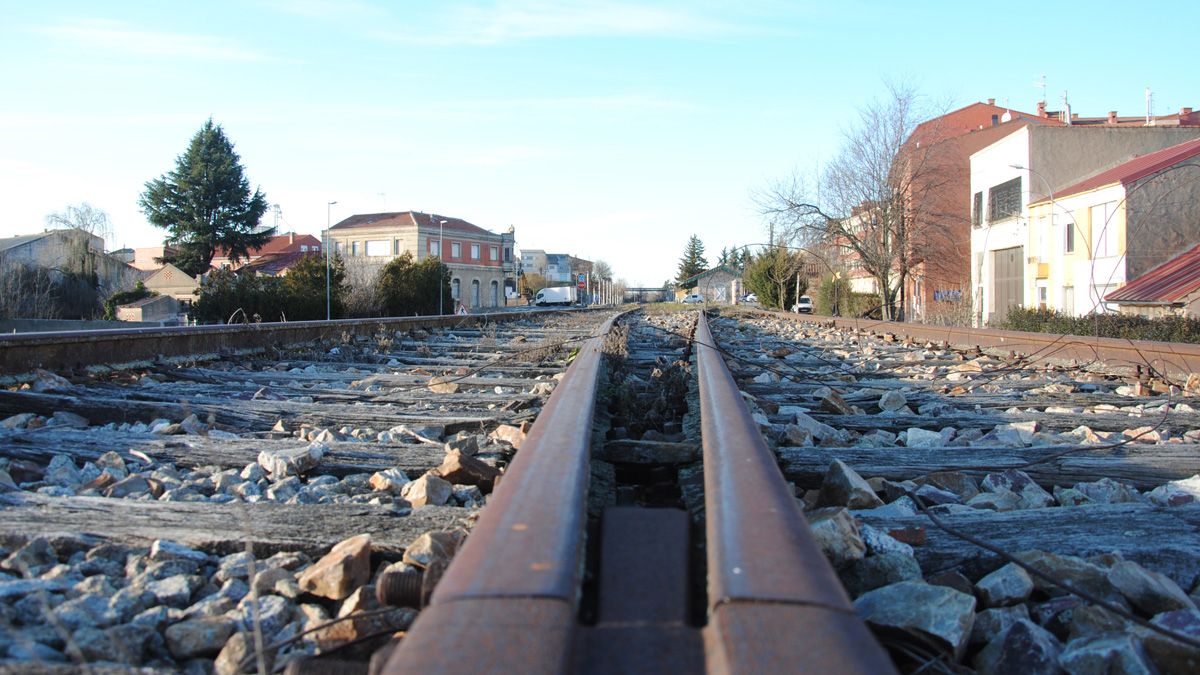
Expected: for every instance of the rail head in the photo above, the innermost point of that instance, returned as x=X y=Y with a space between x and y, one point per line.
x=526 y=552
x=1172 y=359
x=22 y=353
x=770 y=589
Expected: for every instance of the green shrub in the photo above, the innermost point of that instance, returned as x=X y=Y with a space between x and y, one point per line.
x=848 y=303
x=409 y=288
x=229 y=297
x=124 y=298
x=1128 y=326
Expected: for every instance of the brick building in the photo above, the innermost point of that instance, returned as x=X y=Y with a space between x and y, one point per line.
x=482 y=266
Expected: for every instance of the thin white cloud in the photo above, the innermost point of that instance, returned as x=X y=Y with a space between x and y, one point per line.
x=328 y=9
x=108 y=37
x=492 y=109
x=517 y=20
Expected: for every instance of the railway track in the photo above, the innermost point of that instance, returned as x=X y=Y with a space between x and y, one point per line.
x=293 y=441
x=645 y=523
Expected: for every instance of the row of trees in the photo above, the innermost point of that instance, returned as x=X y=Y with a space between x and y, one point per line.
x=402 y=287
x=774 y=273
x=206 y=205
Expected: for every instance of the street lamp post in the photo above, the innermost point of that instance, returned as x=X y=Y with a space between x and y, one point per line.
x=328 y=211
x=1054 y=205
x=442 y=260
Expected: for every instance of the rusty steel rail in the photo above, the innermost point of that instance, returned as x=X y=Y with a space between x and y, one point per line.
x=1172 y=359
x=22 y=353
x=775 y=604
x=509 y=601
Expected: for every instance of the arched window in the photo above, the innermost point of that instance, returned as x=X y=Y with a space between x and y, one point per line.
x=495 y=294
x=455 y=288
x=475 y=293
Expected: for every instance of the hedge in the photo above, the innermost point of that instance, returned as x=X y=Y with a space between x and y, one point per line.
x=1129 y=326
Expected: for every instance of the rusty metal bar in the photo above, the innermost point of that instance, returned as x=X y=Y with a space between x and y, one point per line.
x=773 y=598
x=1174 y=359
x=515 y=583
x=73 y=350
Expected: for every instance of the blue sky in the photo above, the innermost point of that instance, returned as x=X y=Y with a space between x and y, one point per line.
x=606 y=129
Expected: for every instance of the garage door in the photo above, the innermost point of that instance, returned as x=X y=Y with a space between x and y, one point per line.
x=1008 y=284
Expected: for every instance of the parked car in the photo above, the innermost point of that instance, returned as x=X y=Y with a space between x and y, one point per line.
x=803 y=305
x=750 y=297
x=693 y=298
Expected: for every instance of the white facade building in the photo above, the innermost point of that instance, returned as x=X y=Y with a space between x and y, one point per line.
x=1030 y=164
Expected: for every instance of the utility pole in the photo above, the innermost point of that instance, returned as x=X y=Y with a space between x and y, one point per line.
x=328 y=208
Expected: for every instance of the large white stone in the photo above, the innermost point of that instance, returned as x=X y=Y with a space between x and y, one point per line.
x=292 y=461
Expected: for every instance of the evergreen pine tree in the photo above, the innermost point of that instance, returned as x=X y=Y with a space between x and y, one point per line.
x=693 y=261
x=205 y=204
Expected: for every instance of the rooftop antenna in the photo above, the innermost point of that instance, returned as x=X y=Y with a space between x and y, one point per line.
x=1149 y=107
x=1041 y=84
x=1066 y=111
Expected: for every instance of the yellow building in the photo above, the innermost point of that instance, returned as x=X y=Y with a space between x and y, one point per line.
x=1089 y=239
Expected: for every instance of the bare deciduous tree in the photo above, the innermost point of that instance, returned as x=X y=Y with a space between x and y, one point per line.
x=26 y=292
x=869 y=199
x=362 y=294
x=618 y=290
x=85 y=217
x=601 y=271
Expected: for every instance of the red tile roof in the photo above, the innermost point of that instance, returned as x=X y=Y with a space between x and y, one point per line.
x=409 y=219
x=969 y=118
x=1171 y=281
x=275 y=263
x=1134 y=169
x=284 y=242
x=280 y=243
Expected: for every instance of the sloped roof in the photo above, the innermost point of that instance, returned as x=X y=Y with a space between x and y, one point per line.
x=1171 y=281
x=1134 y=169
x=156 y=298
x=20 y=240
x=276 y=244
x=284 y=242
x=170 y=274
x=7 y=243
x=709 y=272
x=410 y=219
x=967 y=119
x=274 y=263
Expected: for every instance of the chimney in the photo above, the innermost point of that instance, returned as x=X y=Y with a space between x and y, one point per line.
x=991 y=101
x=1112 y=116
x=291 y=237
x=1185 y=111
x=1041 y=110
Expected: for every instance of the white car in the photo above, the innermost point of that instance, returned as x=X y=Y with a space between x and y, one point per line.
x=693 y=298
x=803 y=305
x=750 y=297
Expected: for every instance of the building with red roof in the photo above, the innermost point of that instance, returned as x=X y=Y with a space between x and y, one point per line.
x=940 y=279
x=481 y=262
x=290 y=246
x=1117 y=225
x=1170 y=289
x=1023 y=256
